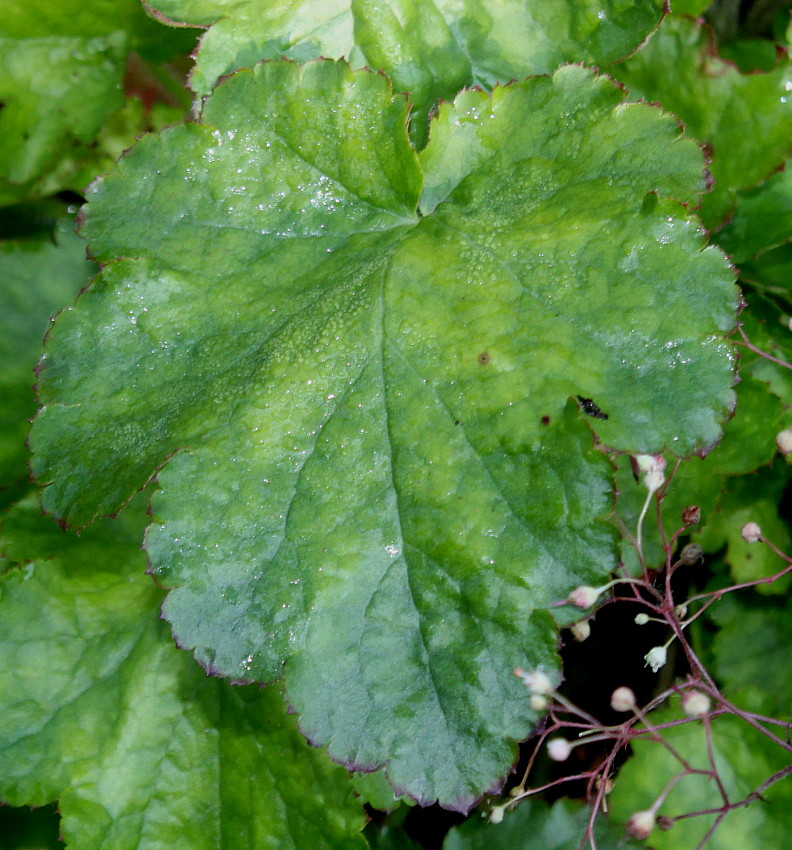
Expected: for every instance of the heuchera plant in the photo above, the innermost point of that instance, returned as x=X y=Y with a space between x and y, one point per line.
x=449 y=346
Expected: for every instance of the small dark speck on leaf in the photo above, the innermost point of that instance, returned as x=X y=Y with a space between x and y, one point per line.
x=457 y=422
x=591 y=409
x=545 y=420
x=484 y=358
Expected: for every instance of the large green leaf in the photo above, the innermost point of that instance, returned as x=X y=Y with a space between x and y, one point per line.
x=142 y=750
x=375 y=471
x=744 y=119
x=745 y=759
x=430 y=50
x=38 y=276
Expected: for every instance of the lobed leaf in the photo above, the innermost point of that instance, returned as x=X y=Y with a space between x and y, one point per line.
x=102 y=712
x=376 y=475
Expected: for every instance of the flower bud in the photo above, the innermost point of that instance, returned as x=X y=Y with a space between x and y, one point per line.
x=641 y=824
x=584 y=596
x=681 y=611
x=695 y=704
x=537 y=681
x=581 y=631
x=496 y=814
x=691 y=554
x=641 y=619
x=784 y=441
x=750 y=532
x=539 y=702
x=654 y=480
x=622 y=699
x=691 y=515
x=656 y=657
x=559 y=749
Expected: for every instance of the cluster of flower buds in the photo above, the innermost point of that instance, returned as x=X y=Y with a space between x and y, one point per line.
x=539 y=684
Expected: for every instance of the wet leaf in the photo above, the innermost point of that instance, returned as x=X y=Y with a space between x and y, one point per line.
x=379 y=474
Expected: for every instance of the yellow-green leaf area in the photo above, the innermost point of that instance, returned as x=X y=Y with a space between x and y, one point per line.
x=361 y=369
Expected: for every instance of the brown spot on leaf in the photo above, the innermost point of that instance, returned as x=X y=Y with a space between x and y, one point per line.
x=484 y=358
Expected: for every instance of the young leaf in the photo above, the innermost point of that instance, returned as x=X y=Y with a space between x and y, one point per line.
x=375 y=472
x=102 y=712
x=744 y=119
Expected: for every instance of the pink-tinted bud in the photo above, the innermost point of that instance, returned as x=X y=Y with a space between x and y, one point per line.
x=622 y=699
x=584 y=596
x=559 y=749
x=750 y=532
x=691 y=515
x=695 y=704
x=641 y=824
x=784 y=441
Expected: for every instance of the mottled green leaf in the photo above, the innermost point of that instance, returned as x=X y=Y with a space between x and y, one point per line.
x=762 y=220
x=753 y=648
x=745 y=759
x=39 y=276
x=376 y=473
x=102 y=712
x=744 y=119
x=533 y=825
x=430 y=50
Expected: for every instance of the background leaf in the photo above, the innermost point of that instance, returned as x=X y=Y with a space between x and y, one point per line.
x=39 y=275
x=745 y=759
x=104 y=713
x=534 y=825
x=744 y=119
x=431 y=50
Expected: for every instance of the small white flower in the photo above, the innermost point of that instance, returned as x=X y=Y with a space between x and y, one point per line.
x=656 y=657
x=695 y=704
x=559 y=749
x=641 y=824
x=652 y=469
x=622 y=699
x=750 y=532
x=641 y=619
